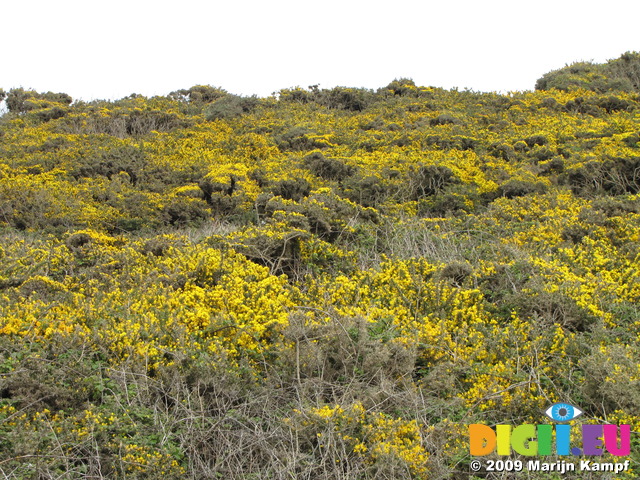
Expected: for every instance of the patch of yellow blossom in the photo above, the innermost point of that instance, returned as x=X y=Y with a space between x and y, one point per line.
x=375 y=436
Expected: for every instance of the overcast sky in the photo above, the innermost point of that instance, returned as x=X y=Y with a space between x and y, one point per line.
x=109 y=49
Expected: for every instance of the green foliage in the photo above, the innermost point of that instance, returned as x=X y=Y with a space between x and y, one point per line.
x=209 y=187
x=448 y=142
x=443 y=119
x=402 y=87
x=456 y=272
x=627 y=67
x=124 y=121
x=368 y=191
x=298 y=139
x=182 y=212
x=503 y=152
x=230 y=106
x=353 y=99
x=22 y=101
x=295 y=95
x=128 y=159
x=614 y=176
x=199 y=94
x=339 y=98
x=430 y=180
x=518 y=188
x=622 y=74
x=292 y=189
x=449 y=202
x=327 y=168
x=138 y=123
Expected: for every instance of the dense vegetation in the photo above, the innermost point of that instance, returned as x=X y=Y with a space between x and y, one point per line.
x=326 y=283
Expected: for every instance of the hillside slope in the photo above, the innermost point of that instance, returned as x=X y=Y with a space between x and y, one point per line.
x=326 y=283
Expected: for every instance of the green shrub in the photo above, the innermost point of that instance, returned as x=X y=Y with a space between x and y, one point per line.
x=30 y=205
x=279 y=251
x=158 y=246
x=137 y=123
x=585 y=75
x=401 y=141
x=223 y=205
x=621 y=74
x=138 y=211
x=327 y=168
x=446 y=203
x=324 y=214
x=184 y=211
x=339 y=98
x=574 y=233
x=503 y=152
x=52 y=113
x=125 y=122
x=541 y=154
x=199 y=94
x=555 y=166
x=209 y=187
x=616 y=207
x=298 y=139
x=444 y=119
x=612 y=104
x=259 y=176
x=107 y=163
x=292 y=189
x=230 y=106
x=430 y=180
x=22 y=101
x=519 y=188
x=627 y=68
x=586 y=107
x=329 y=214
x=614 y=176
x=377 y=123
x=550 y=102
x=401 y=87
x=368 y=191
x=534 y=140
x=342 y=98
x=554 y=308
x=457 y=142
x=520 y=146
x=456 y=272
x=605 y=391
x=632 y=140
x=295 y=95
x=599 y=106
x=78 y=240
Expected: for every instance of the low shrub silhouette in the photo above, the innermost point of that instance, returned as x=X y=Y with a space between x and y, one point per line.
x=230 y=106
x=327 y=168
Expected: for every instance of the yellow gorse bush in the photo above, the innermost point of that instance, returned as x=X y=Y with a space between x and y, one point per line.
x=375 y=437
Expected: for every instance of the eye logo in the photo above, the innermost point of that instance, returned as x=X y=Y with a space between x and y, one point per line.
x=563 y=412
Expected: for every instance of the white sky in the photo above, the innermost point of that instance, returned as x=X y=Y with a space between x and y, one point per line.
x=109 y=49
